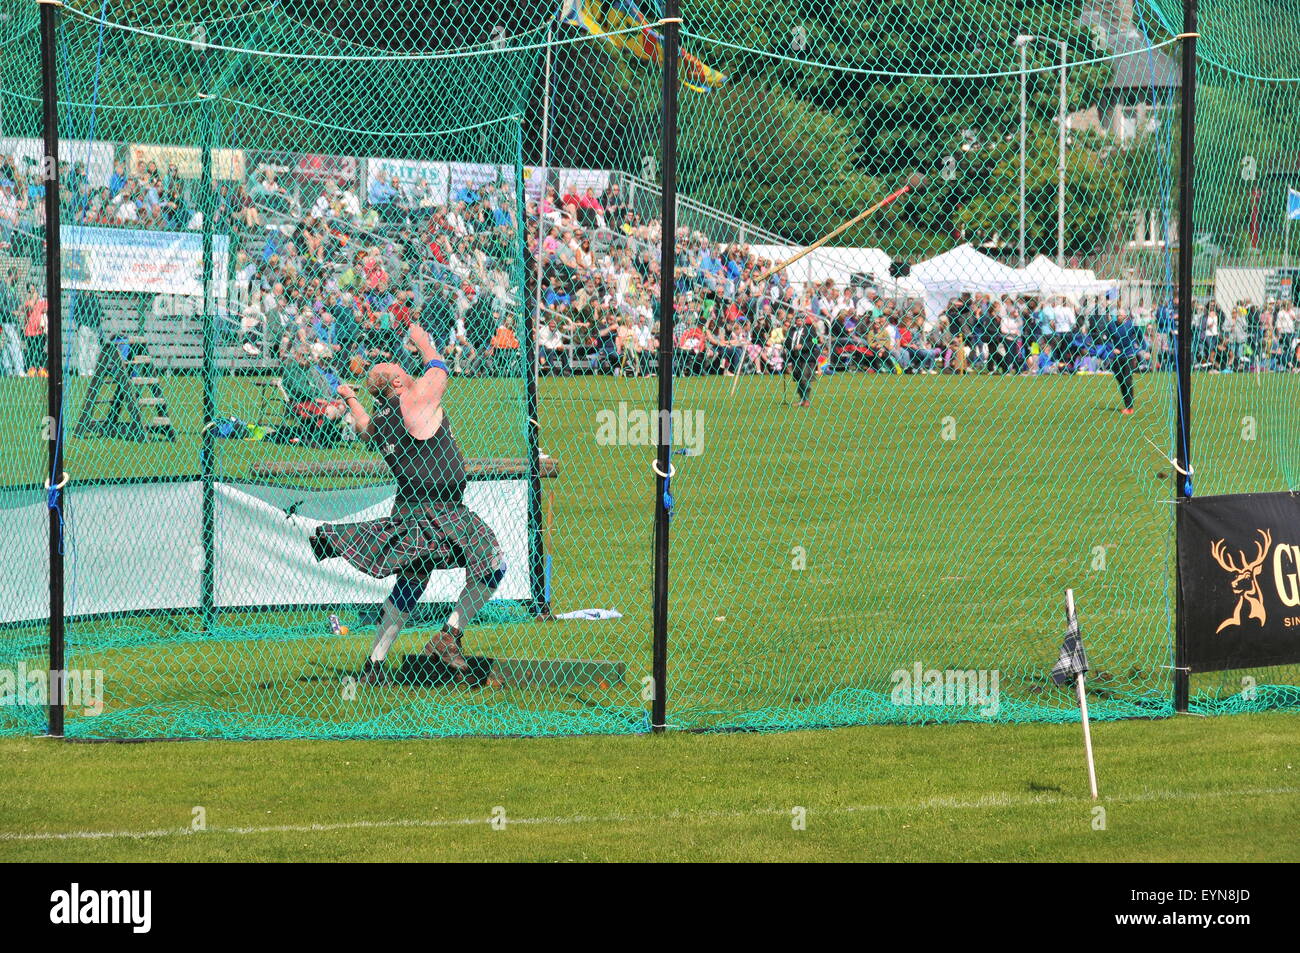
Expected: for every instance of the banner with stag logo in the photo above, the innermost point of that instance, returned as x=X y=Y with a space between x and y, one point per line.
x=1239 y=573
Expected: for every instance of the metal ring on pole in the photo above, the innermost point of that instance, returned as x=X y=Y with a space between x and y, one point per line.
x=61 y=484
x=672 y=470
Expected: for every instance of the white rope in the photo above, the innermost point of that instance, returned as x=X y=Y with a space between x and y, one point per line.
x=894 y=74
x=1173 y=461
x=421 y=134
x=478 y=50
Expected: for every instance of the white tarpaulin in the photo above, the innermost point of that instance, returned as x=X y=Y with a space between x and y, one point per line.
x=263 y=558
x=963 y=270
x=128 y=546
x=1073 y=283
x=840 y=265
x=137 y=546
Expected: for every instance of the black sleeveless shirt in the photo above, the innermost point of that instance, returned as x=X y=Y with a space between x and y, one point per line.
x=427 y=471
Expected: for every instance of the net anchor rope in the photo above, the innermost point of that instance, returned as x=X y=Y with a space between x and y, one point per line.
x=1173 y=461
x=894 y=74
x=471 y=51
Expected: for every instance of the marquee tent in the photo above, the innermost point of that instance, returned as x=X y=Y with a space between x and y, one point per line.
x=963 y=270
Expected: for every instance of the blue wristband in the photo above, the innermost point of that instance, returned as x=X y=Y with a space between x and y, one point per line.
x=438 y=364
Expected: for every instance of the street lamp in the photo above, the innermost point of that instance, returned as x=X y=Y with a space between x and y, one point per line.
x=1023 y=41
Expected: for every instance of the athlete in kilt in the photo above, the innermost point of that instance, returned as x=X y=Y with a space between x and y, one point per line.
x=430 y=527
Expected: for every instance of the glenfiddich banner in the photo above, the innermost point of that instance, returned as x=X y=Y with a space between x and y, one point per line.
x=1239 y=571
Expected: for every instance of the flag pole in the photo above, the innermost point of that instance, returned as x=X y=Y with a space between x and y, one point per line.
x=1083 y=705
x=1087 y=737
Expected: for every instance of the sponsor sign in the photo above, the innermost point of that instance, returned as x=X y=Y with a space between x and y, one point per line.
x=1239 y=573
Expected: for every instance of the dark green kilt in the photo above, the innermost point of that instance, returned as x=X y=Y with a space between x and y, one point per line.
x=414 y=538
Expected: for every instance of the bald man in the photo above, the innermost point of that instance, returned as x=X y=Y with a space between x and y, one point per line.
x=430 y=528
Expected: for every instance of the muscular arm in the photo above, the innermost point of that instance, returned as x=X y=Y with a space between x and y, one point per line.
x=361 y=421
x=430 y=385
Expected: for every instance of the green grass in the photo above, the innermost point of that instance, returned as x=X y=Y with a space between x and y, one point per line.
x=1188 y=789
x=938 y=520
x=917 y=549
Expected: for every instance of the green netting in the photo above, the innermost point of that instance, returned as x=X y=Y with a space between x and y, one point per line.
x=261 y=200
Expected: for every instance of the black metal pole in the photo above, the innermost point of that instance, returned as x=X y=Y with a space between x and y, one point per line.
x=667 y=280
x=209 y=91
x=530 y=317
x=207 y=441
x=1183 y=409
x=54 y=349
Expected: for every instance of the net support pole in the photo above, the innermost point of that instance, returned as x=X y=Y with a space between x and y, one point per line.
x=54 y=351
x=545 y=171
x=537 y=555
x=207 y=441
x=1183 y=398
x=667 y=264
x=1063 y=117
x=530 y=315
x=1023 y=42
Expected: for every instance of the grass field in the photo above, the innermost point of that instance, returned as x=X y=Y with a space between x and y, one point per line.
x=938 y=521
x=1216 y=789
x=901 y=520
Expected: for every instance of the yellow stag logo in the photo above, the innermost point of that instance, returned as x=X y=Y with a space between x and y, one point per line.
x=1245 y=578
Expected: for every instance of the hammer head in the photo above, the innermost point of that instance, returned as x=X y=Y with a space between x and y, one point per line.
x=916 y=182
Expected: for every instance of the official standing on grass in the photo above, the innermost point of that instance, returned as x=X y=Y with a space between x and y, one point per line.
x=1126 y=346
x=804 y=346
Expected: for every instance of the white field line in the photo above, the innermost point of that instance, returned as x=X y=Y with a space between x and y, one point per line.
x=940 y=803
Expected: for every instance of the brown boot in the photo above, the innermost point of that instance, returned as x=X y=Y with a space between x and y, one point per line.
x=446 y=646
x=373 y=673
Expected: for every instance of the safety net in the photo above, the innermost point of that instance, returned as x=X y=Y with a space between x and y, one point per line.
x=361 y=350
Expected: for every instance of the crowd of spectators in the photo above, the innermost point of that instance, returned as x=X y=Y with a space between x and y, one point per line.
x=329 y=276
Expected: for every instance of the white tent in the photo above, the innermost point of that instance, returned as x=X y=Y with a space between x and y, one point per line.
x=840 y=265
x=963 y=270
x=1072 y=283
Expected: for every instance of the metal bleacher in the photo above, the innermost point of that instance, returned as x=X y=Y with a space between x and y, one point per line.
x=171 y=329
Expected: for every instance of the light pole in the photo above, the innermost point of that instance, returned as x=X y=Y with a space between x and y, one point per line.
x=1023 y=42
x=1060 y=162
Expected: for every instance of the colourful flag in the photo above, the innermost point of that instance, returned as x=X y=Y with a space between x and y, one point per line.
x=621 y=24
x=1072 y=661
x=1292 y=203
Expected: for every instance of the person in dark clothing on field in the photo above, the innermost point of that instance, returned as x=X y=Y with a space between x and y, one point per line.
x=1126 y=347
x=803 y=347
